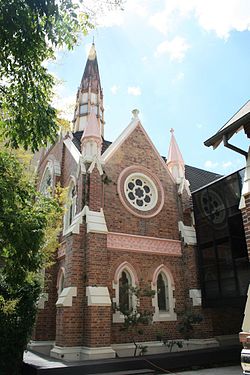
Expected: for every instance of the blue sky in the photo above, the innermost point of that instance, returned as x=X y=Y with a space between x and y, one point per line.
x=183 y=63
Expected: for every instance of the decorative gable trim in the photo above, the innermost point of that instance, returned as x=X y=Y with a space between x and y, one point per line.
x=121 y=138
x=72 y=149
x=124 y=135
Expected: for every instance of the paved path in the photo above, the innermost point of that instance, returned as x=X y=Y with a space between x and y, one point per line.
x=46 y=362
x=230 y=370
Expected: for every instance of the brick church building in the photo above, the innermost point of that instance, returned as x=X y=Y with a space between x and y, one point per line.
x=129 y=222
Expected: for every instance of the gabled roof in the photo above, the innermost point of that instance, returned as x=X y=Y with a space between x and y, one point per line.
x=237 y=122
x=197 y=177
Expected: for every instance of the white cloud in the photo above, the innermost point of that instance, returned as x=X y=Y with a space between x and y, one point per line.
x=162 y=21
x=176 y=48
x=114 y=89
x=134 y=90
x=139 y=7
x=227 y=164
x=64 y=102
x=221 y=16
x=179 y=77
x=199 y=126
x=110 y=18
x=209 y=164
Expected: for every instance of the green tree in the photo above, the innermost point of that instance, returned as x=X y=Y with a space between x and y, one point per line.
x=29 y=226
x=30 y=31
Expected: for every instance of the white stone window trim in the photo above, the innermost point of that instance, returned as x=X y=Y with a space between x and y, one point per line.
x=65 y=298
x=118 y=317
x=170 y=315
x=66 y=219
x=153 y=191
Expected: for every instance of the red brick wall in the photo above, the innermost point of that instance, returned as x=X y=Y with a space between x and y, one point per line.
x=136 y=150
x=45 y=328
x=69 y=320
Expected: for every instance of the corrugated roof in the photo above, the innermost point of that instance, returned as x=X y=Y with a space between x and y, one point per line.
x=197 y=177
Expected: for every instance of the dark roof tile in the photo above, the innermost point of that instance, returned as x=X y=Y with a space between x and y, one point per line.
x=199 y=177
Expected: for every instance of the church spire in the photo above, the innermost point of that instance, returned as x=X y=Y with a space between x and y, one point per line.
x=89 y=95
x=175 y=160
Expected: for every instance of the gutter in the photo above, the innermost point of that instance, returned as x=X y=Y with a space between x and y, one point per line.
x=232 y=147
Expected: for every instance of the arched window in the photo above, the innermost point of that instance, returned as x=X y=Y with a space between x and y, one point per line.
x=71 y=205
x=46 y=185
x=125 y=297
x=163 y=300
x=162 y=292
x=125 y=278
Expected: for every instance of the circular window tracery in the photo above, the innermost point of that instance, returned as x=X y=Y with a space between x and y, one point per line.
x=213 y=207
x=140 y=191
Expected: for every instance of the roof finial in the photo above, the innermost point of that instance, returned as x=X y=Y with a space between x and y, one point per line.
x=172 y=130
x=92 y=52
x=135 y=113
x=93 y=41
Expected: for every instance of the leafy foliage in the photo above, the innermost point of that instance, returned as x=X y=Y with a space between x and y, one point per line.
x=29 y=33
x=135 y=318
x=189 y=318
x=169 y=343
x=25 y=247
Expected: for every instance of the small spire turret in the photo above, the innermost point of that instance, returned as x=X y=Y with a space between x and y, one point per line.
x=175 y=160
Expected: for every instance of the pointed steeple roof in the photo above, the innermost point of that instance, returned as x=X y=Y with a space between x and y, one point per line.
x=92 y=129
x=91 y=71
x=174 y=154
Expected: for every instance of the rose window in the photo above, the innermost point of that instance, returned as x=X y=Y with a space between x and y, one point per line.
x=213 y=207
x=141 y=192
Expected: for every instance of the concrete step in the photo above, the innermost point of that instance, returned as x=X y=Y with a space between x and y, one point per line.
x=130 y=372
